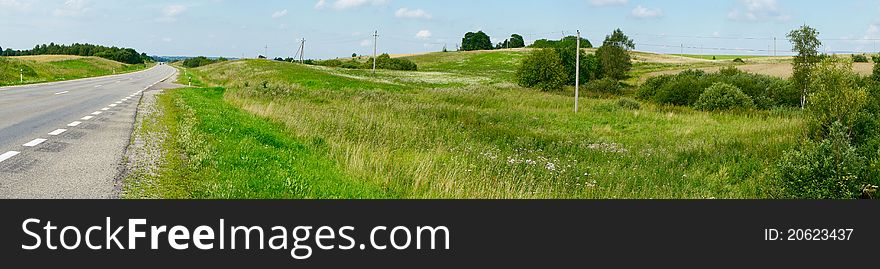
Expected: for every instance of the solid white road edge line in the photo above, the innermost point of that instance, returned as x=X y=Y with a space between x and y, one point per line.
x=58 y=132
x=34 y=142
x=7 y=155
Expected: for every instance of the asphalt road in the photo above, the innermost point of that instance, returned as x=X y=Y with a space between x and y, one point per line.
x=66 y=139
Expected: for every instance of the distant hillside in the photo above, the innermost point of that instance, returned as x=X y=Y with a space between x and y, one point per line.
x=489 y=63
x=47 y=68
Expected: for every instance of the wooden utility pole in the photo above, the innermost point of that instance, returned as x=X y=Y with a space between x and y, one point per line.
x=375 y=48
x=577 y=71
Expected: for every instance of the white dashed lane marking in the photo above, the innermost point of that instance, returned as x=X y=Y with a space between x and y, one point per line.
x=57 y=93
x=105 y=109
x=74 y=124
x=34 y=142
x=112 y=105
x=99 y=86
x=87 y=117
x=96 y=113
x=118 y=102
x=7 y=155
x=58 y=132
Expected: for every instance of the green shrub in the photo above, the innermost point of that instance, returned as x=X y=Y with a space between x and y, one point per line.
x=836 y=97
x=875 y=58
x=681 y=89
x=875 y=73
x=330 y=63
x=721 y=96
x=385 y=61
x=859 y=58
x=686 y=87
x=828 y=169
x=589 y=70
x=201 y=61
x=738 y=60
x=628 y=103
x=542 y=69
x=605 y=86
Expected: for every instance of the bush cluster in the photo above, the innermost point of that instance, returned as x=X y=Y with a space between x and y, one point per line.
x=685 y=88
x=723 y=96
x=201 y=61
x=542 y=69
x=841 y=158
x=384 y=61
x=859 y=58
x=604 y=86
x=827 y=169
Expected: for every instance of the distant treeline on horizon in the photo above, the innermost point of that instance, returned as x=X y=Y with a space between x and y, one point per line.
x=123 y=55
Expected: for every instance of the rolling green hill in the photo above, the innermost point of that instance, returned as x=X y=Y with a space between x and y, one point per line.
x=496 y=64
x=47 y=68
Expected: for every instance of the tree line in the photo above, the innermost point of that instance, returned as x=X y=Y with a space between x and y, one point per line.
x=482 y=41
x=123 y=55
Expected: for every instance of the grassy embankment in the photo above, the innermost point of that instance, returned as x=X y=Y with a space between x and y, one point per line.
x=48 y=68
x=458 y=129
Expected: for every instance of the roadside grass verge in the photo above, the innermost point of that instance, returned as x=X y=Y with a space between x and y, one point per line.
x=39 y=69
x=214 y=150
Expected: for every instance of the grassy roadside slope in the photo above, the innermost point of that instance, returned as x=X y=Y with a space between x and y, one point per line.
x=421 y=138
x=218 y=151
x=48 y=68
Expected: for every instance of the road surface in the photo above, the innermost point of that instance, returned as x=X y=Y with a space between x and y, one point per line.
x=66 y=139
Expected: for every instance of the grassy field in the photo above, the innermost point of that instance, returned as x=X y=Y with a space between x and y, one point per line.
x=719 y=57
x=458 y=129
x=47 y=68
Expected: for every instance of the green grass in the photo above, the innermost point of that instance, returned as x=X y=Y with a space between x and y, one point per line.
x=499 y=65
x=38 y=71
x=215 y=150
x=719 y=57
x=421 y=137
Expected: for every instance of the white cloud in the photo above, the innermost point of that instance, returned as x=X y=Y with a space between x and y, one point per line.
x=170 y=12
x=423 y=34
x=366 y=43
x=602 y=3
x=641 y=12
x=412 y=13
x=347 y=4
x=167 y=40
x=758 y=10
x=73 y=8
x=279 y=14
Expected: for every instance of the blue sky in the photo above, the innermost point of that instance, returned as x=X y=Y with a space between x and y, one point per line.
x=337 y=28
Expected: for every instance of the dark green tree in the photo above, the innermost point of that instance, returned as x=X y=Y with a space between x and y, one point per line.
x=517 y=41
x=476 y=41
x=614 y=55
